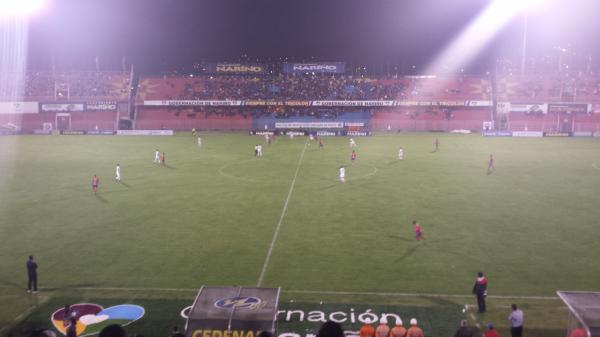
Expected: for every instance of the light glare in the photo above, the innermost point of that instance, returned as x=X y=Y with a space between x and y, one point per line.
x=20 y=7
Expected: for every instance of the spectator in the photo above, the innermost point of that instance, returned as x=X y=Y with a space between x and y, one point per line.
x=414 y=330
x=330 y=329
x=464 y=330
x=383 y=330
x=491 y=331
x=399 y=330
x=516 y=321
x=480 y=291
x=367 y=329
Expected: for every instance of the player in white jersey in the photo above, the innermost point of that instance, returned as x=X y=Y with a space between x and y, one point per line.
x=199 y=141
x=342 y=174
x=352 y=142
x=311 y=136
x=157 y=156
x=401 y=154
x=259 y=150
x=118 y=173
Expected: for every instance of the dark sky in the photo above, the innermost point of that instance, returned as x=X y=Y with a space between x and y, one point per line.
x=171 y=33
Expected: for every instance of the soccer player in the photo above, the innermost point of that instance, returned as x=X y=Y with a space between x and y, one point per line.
x=353 y=157
x=156 y=156
x=321 y=143
x=162 y=159
x=193 y=132
x=256 y=150
x=401 y=154
x=259 y=150
x=436 y=145
x=95 y=182
x=311 y=136
x=418 y=231
x=199 y=141
x=491 y=168
x=118 y=172
x=342 y=174
x=352 y=142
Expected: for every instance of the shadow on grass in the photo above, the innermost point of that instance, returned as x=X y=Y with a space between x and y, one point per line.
x=125 y=184
x=170 y=167
x=100 y=198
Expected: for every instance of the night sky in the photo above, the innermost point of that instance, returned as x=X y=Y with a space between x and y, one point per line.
x=164 y=34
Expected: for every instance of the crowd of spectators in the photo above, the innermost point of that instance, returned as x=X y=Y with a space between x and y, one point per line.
x=558 y=87
x=47 y=85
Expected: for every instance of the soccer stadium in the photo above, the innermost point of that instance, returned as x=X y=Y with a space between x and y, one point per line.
x=333 y=168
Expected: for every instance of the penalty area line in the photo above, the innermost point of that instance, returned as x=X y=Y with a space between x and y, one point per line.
x=285 y=205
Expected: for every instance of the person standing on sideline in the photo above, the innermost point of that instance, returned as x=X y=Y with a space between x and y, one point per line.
x=383 y=330
x=157 y=156
x=464 y=330
x=398 y=330
x=31 y=275
x=480 y=291
x=401 y=154
x=516 y=321
x=491 y=165
x=414 y=330
x=118 y=173
x=95 y=182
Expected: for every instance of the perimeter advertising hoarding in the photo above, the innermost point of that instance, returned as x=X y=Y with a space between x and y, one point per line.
x=527 y=134
x=101 y=106
x=318 y=68
x=568 y=108
x=529 y=107
x=62 y=107
x=497 y=133
x=232 y=311
x=352 y=103
x=192 y=103
x=19 y=107
x=236 y=68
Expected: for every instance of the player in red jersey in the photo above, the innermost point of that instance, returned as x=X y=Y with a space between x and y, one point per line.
x=95 y=182
x=418 y=231
x=320 y=143
x=491 y=168
x=162 y=158
x=353 y=157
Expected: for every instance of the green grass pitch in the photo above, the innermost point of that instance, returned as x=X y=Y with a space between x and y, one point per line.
x=209 y=216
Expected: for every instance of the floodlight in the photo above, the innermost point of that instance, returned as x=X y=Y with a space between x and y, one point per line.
x=20 y=7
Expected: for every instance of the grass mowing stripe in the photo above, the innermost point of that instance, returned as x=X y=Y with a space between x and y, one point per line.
x=285 y=205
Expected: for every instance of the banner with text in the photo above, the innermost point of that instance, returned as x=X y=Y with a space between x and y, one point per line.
x=352 y=103
x=19 y=107
x=309 y=125
x=236 y=68
x=101 y=106
x=317 y=68
x=533 y=108
x=192 y=103
x=568 y=108
x=62 y=107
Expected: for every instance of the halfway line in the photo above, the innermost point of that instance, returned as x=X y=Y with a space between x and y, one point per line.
x=285 y=205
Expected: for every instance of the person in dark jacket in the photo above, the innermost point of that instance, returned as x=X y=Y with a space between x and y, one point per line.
x=31 y=275
x=464 y=330
x=480 y=291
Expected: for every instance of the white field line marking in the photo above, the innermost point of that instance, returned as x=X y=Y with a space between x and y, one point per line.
x=372 y=173
x=317 y=292
x=231 y=176
x=285 y=205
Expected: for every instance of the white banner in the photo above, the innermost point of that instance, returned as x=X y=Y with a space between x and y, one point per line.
x=309 y=125
x=145 y=132
x=479 y=103
x=352 y=103
x=529 y=108
x=19 y=107
x=528 y=134
x=61 y=107
x=503 y=107
x=193 y=103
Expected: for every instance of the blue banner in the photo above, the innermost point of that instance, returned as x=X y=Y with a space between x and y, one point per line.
x=317 y=68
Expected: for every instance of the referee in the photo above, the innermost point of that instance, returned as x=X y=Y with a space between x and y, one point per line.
x=31 y=275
